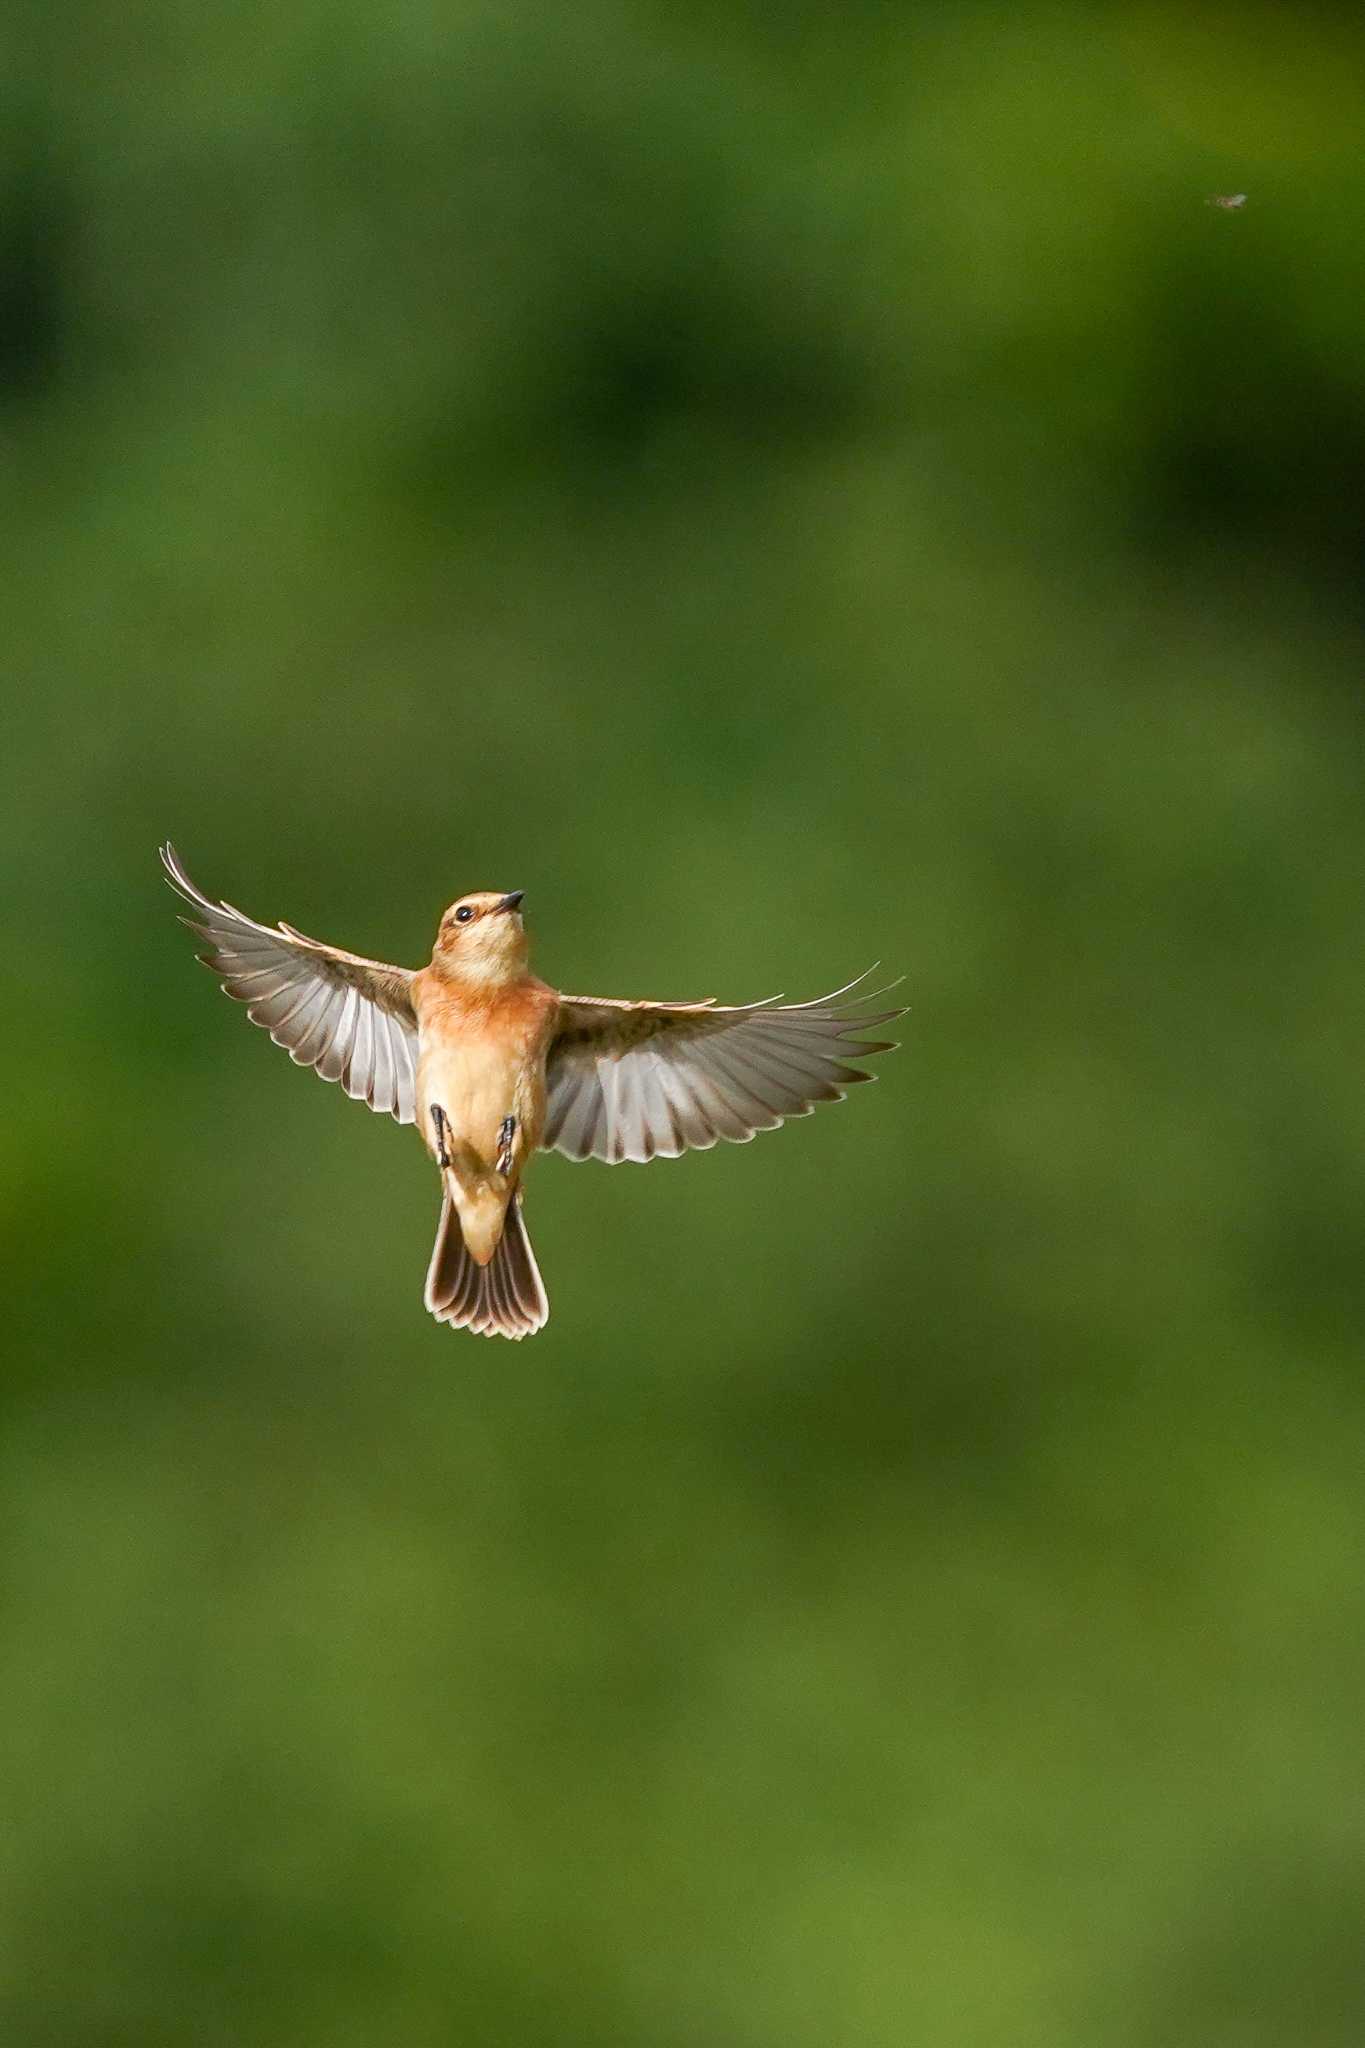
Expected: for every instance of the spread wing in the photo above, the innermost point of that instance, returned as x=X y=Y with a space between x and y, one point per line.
x=652 y=1080
x=349 y=1019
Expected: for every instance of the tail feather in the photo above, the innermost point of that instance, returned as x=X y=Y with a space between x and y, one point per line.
x=505 y=1298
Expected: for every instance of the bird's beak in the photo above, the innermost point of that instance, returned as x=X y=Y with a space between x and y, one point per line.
x=512 y=900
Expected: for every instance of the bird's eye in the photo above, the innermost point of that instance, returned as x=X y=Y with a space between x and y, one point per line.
x=463 y=914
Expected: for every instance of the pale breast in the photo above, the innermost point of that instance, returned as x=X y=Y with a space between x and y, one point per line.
x=482 y=1063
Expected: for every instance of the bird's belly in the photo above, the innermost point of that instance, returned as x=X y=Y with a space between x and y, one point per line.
x=477 y=1085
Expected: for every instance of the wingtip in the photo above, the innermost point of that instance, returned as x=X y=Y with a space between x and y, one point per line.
x=175 y=874
x=874 y=995
x=837 y=995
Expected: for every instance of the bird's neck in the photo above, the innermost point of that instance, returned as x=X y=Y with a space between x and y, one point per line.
x=478 y=977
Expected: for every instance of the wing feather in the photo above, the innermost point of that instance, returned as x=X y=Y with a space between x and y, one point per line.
x=644 y=1080
x=359 y=1075
x=383 y=1097
x=403 y=1060
x=349 y=1018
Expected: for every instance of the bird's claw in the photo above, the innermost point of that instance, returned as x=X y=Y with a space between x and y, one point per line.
x=506 y=1134
x=441 y=1124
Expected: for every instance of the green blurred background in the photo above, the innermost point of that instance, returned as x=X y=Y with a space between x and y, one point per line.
x=786 y=487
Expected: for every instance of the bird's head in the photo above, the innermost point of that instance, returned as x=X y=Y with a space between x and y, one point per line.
x=482 y=937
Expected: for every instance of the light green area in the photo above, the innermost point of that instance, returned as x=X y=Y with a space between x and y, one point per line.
x=786 y=487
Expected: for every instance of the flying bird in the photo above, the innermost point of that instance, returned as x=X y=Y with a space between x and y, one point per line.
x=492 y=1064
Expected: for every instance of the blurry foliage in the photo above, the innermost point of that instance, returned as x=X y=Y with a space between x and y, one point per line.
x=785 y=487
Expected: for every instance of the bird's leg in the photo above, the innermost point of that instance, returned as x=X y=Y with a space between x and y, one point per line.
x=505 y=1136
x=440 y=1124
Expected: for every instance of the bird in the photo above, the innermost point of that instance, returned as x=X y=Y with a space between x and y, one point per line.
x=492 y=1064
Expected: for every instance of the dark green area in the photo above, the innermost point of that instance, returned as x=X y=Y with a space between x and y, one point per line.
x=786 y=487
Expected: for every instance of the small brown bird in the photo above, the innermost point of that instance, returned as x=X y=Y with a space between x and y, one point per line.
x=491 y=1063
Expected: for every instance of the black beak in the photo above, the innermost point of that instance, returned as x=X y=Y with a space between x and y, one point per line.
x=512 y=900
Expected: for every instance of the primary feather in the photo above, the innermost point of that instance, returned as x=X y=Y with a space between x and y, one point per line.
x=348 y=1018
x=652 y=1080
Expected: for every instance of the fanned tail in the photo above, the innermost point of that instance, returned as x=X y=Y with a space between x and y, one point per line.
x=505 y=1298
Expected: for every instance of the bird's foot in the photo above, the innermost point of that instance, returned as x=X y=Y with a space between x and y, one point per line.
x=505 y=1136
x=440 y=1123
